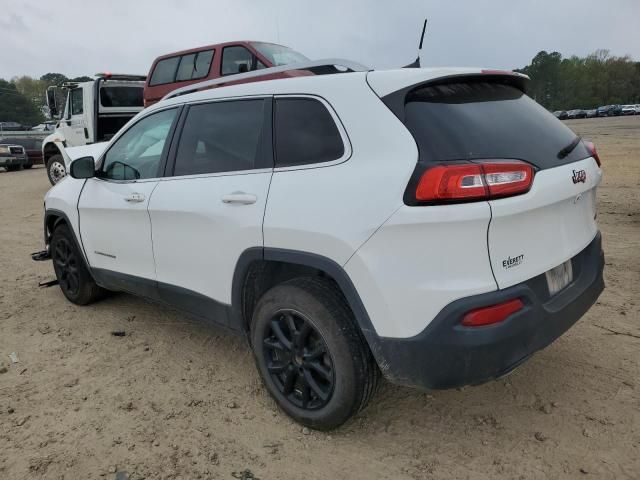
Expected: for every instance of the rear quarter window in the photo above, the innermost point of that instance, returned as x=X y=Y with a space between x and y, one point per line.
x=483 y=120
x=305 y=133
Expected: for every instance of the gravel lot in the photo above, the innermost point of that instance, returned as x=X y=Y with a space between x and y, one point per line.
x=178 y=399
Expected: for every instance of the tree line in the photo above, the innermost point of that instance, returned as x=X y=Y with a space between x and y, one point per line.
x=595 y=80
x=22 y=99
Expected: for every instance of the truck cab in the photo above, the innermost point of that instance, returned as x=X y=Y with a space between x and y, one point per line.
x=92 y=113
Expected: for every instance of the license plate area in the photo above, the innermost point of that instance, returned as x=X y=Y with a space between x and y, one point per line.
x=559 y=277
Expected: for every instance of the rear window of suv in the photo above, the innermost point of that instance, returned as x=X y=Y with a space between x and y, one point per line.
x=483 y=120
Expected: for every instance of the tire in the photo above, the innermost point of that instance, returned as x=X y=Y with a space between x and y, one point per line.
x=14 y=168
x=28 y=164
x=56 y=170
x=311 y=354
x=73 y=276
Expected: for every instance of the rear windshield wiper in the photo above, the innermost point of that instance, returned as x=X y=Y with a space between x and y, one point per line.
x=569 y=148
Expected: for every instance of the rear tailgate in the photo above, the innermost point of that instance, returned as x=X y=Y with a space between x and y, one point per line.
x=533 y=233
x=464 y=118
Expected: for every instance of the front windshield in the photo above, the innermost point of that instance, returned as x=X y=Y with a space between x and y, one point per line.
x=278 y=55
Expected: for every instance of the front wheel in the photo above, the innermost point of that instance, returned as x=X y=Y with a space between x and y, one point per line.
x=73 y=276
x=311 y=354
x=56 y=170
x=14 y=168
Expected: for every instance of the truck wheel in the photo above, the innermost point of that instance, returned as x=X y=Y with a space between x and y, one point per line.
x=14 y=168
x=28 y=164
x=56 y=170
x=73 y=276
x=311 y=354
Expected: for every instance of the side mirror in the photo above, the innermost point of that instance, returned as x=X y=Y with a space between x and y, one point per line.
x=84 y=167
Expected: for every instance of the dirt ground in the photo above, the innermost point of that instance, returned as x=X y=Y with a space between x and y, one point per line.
x=177 y=399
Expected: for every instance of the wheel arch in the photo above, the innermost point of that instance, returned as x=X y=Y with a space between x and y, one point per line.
x=258 y=269
x=50 y=149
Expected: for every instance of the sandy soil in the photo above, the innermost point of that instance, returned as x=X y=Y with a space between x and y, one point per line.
x=176 y=399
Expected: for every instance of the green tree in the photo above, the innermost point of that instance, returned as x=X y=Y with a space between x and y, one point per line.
x=598 y=79
x=15 y=107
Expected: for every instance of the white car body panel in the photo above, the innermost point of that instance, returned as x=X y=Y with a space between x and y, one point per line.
x=419 y=261
x=197 y=237
x=116 y=233
x=384 y=82
x=332 y=210
x=63 y=197
x=94 y=150
x=548 y=225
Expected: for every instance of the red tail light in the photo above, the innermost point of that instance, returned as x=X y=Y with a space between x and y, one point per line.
x=481 y=180
x=493 y=314
x=594 y=153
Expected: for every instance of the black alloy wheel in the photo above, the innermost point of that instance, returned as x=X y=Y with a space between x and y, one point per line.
x=66 y=265
x=298 y=360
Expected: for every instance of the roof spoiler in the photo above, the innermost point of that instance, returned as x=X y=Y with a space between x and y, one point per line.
x=319 y=67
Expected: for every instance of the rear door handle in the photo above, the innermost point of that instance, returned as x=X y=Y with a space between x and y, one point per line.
x=239 y=198
x=134 y=198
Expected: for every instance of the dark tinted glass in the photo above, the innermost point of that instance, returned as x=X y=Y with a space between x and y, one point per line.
x=121 y=97
x=236 y=60
x=202 y=64
x=76 y=101
x=305 y=133
x=221 y=137
x=185 y=69
x=466 y=121
x=165 y=71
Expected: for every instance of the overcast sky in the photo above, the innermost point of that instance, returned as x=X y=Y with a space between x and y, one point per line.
x=82 y=37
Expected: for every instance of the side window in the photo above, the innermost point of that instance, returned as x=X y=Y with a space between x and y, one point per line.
x=221 y=137
x=76 y=101
x=185 y=69
x=237 y=59
x=165 y=71
x=305 y=133
x=202 y=64
x=136 y=154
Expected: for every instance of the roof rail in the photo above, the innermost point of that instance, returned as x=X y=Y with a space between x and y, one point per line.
x=338 y=65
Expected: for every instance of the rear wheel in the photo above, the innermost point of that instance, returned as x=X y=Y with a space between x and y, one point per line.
x=56 y=170
x=73 y=276
x=310 y=353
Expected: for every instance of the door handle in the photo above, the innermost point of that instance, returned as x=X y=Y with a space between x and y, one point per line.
x=239 y=198
x=134 y=198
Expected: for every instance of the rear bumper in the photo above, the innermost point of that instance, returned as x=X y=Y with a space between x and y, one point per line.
x=447 y=354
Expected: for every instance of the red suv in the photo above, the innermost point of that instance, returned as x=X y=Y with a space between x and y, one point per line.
x=179 y=69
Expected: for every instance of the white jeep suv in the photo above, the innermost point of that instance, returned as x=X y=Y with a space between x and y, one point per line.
x=435 y=226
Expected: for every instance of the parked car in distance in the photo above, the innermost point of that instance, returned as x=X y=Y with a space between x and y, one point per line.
x=592 y=113
x=433 y=271
x=11 y=127
x=560 y=114
x=179 y=69
x=609 y=111
x=12 y=157
x=32 y=146
x=629 y=110
x=576 y=114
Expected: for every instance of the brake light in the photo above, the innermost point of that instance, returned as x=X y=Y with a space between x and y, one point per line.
x=481 y=180
x=594 y=153
x=493 y=314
